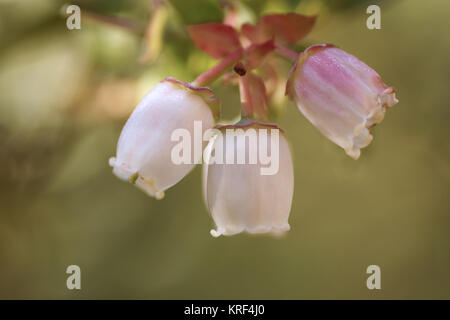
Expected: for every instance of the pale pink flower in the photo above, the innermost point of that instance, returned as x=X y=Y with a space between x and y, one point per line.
x=239 y=197
x=340 y=95
x=144 y=149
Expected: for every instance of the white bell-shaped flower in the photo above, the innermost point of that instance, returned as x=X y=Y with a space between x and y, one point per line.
x=144 y=151
x=248 y=179
x=340 y=95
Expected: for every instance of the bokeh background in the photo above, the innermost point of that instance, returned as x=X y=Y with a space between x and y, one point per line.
x=65 y=95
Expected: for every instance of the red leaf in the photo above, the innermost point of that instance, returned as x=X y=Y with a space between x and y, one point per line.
x=287 y=28
x=216 y=39
x=256 y=53
x=253 y=33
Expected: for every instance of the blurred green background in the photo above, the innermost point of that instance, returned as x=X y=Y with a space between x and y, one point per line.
x=65 y=95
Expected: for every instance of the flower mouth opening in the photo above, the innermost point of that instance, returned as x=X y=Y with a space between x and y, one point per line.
x=124 y=172
x=362 y=134
x=275 y=230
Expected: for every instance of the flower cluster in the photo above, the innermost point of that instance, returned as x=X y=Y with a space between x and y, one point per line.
x=340 y=95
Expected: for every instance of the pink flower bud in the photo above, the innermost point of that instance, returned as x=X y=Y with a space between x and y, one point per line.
x=340 y=95
x=144 y=148
x=254 y=196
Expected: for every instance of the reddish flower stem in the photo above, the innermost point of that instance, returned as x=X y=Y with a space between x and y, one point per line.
x=286 y=52
x=246 y=97
x=219 y=69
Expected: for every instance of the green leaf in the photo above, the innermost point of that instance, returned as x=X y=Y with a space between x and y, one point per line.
x=198 y=11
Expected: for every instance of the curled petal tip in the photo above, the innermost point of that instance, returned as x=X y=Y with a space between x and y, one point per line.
x=159 y=195
x=388 y=97
x=215 y=233
x=112 y=161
